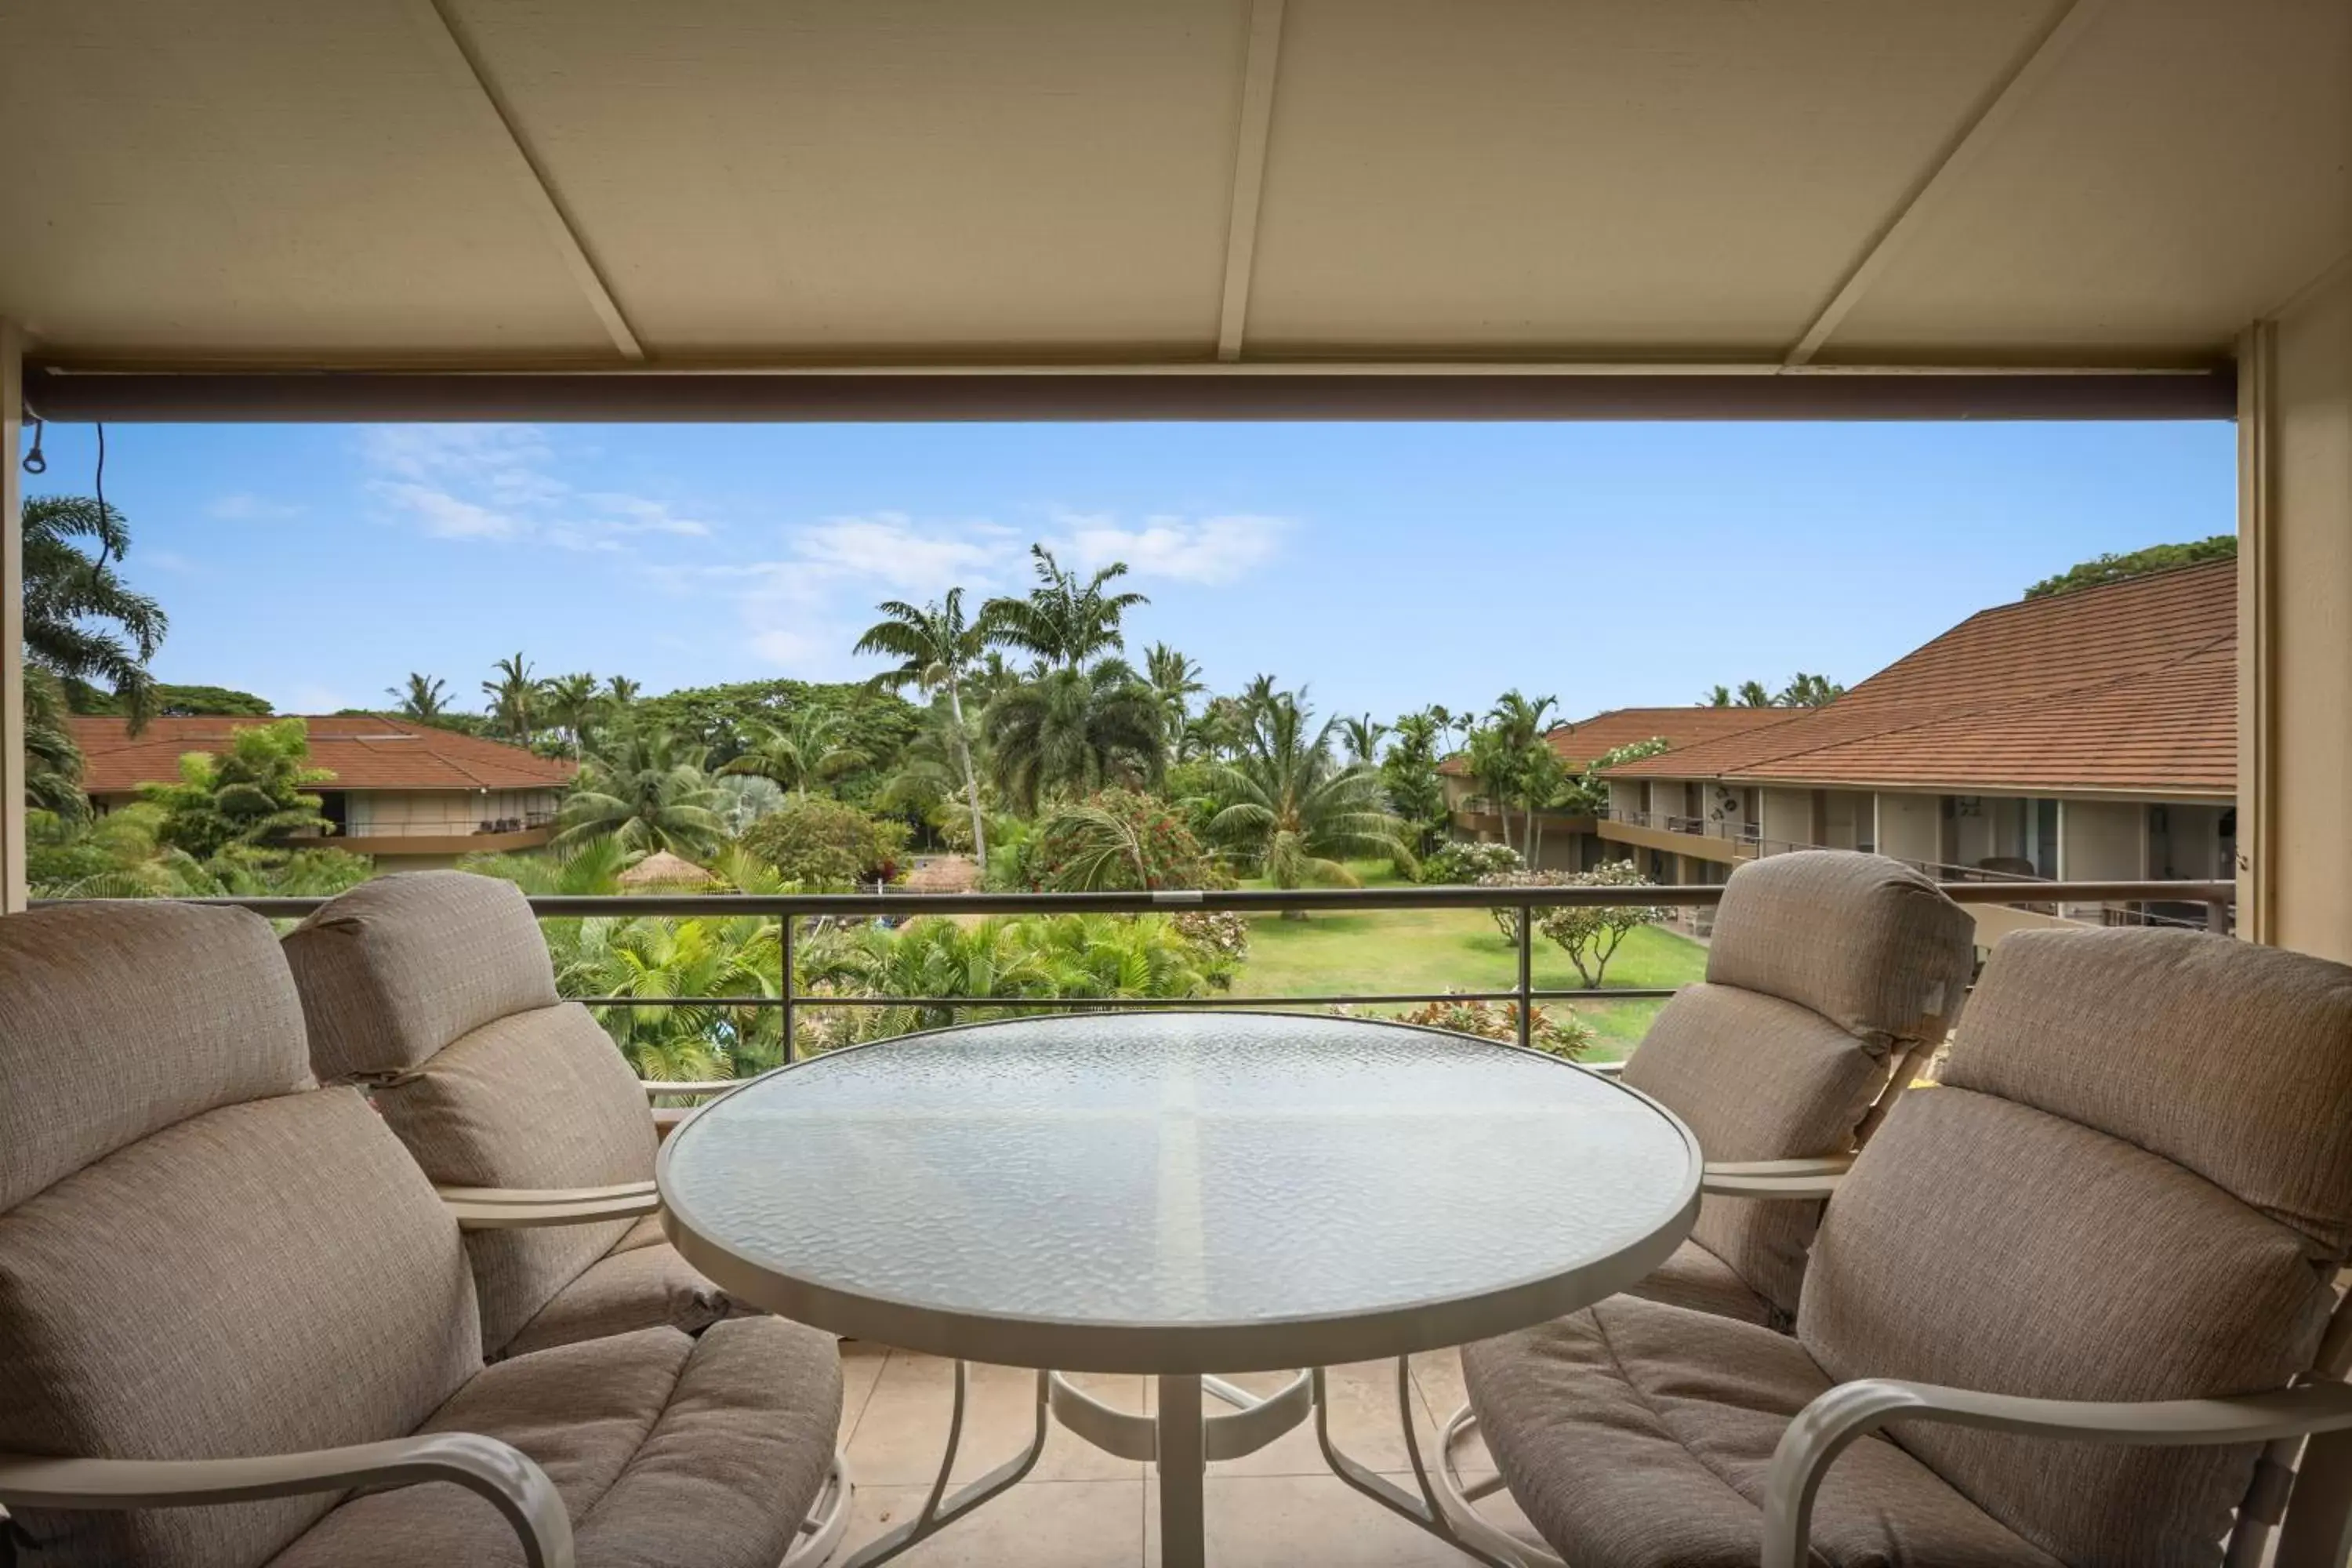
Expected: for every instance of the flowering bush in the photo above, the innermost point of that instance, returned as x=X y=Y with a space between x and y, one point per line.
x=1222 y=938
x=1116 y=841
x=1457 y=863
x=1591 y=933
x=1562 y=1035
x=1507 y=920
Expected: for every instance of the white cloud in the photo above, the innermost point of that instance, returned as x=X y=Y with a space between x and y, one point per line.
x=498 y=482
x=245 y=507
x=1183 y=550
x=889 y=548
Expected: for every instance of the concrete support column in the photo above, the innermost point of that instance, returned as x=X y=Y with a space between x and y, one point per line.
x=2295 y=625
x=12 y=620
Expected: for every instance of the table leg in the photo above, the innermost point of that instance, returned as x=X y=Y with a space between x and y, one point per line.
x=1184 y=1461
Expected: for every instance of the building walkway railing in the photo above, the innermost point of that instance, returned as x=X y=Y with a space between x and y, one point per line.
x=791 y=909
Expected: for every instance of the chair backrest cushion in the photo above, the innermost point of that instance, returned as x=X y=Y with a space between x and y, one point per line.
x=1756 y=1077
x=265 y=1271
x=2040 y=1224
x=1867 y=942
x=118 y=1020
x=396 y=968
x=540 y=1099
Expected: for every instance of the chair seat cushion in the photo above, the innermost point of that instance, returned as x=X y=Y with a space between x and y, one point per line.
x=1636 y=1435
x=1697 y=1279
x=666 y=1449
x=642 y=1283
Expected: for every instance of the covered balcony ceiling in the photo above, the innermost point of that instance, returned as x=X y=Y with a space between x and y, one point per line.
x=487 y=185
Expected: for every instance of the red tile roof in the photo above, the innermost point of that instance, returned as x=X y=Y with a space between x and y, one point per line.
x=2131 y=686
x=363 y=754
x=1579 y=743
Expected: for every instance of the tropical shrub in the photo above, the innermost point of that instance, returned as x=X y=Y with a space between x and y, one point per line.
x=1291 y=808
x=251 y=793
x=1506 y=920
x=1591 y=935
x=645 y=790
x=1116 y=840
x=1464 y=863
x=820 y=842
x=1222 y=939
x=1562 y=1035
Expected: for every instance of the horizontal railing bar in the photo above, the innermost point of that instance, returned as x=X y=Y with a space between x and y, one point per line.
x=805 y=1000
x=1238 y=900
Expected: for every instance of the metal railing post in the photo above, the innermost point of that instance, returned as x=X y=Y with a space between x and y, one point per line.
x=1527 y=973
x=787 y=992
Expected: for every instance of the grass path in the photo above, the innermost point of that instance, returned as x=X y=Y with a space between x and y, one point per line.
x=1435 y=950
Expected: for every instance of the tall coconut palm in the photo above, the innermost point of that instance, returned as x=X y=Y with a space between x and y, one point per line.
x=1520 y=721
x=1063 y=621
x=423 y=699
x=810 y=743
x=934 y=646
x=82 y=622
x=514 y=698
x=1072 y=732
x=1494 y=763
x=645 y=790
x=1293 y=807
x=1363 y=736
x=1175 y=681
x=571 y=703
x=620 y=691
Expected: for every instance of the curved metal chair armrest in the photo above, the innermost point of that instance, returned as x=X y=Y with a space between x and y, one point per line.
x=1820 y=1165
x=1718 y=1183
x=1823 y=1428
x=496 y=1471
x=1606 y=1070
x=656 y=1089
x=525 y=1208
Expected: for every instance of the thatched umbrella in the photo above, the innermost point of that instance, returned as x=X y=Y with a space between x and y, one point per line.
x=948 y=874
x=663 y=869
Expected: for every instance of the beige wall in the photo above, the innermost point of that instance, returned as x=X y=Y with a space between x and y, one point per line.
x=437 y=814
x=1910 y=826
x=1787 y=816
x=2101 y=841
x=2295 y=711
x=12 y=624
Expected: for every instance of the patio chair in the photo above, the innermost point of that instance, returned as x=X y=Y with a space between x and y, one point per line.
x=1830 y=978
x=2053 y=1315
x=238 y=1327
x=435 y=992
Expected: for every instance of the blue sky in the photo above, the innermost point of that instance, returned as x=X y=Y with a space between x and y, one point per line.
x=1385 y=567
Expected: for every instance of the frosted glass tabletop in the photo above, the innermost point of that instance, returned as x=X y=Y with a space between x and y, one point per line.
x=1178 y=1192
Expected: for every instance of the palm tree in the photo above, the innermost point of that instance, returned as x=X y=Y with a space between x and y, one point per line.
x=1063 y=621
x=1494 y=763
x=423 y=699
x=811 y=743
x=71 y=596
x=1295 y=809
x=1175 y=681
x=252 y=792
x=1520 y=719
x=930 y=957
x=514 y=698
x=645 y=791
x=1072 y=732
x=572 y=703
x=934 y=646
x=52 y=759
x=1363 y=734
x=620 y=691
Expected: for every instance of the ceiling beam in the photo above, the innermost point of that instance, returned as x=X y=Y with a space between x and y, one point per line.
x=1234 y=392
x=464 y=69
x=1939 y=180
x=1249 y=172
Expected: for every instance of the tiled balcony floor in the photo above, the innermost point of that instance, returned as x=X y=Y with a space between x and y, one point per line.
x=1080 y=1507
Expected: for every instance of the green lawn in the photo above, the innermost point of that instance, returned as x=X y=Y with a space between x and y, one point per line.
x=1435 y=950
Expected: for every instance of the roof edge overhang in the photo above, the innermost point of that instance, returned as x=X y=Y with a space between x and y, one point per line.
x=1320 y=390
x=2182 y=793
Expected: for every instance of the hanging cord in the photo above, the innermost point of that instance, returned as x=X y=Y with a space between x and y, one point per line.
x=36 y=461
x=106 y=553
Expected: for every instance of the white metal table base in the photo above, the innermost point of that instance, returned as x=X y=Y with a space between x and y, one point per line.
x=1182 y=1440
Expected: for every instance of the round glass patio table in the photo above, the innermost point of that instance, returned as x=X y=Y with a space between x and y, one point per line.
x=1177 y=1194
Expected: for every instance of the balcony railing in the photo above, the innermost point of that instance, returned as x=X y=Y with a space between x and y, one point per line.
x=791 y=910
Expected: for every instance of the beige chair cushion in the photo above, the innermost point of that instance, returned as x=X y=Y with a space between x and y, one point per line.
x=641 y=1283
x=668 y=1451
x=1992 y=1246
x=258 y=1278
x=118 y=1020
x=1866 y=941
x=1696 y=1279
x=538 y=1098
x=1638 y=1435
x=396 y=968
x=1757 y=1079
x=2227 y=1058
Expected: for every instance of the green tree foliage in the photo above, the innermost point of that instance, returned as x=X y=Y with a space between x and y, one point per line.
x=728 y=720
x=514 y=694
x=171 y=701
x=1588 y=794
x=1116 y=841
x=1591 y=935
x=2116 y=568
x=425 y=699
x=572 y=704
x=646 y=790
x=1072 y=732
x=1175 y=681
x=82 y=621
x=1064 y=622
x=1803 y=690
x=809 y=745
x=1294 y=810
x=253 y=793
x=52 y=757
x=1416 y=791
x=822 y=843
x=936 y=649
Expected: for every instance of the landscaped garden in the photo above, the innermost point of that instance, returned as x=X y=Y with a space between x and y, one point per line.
x=1013 y=748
